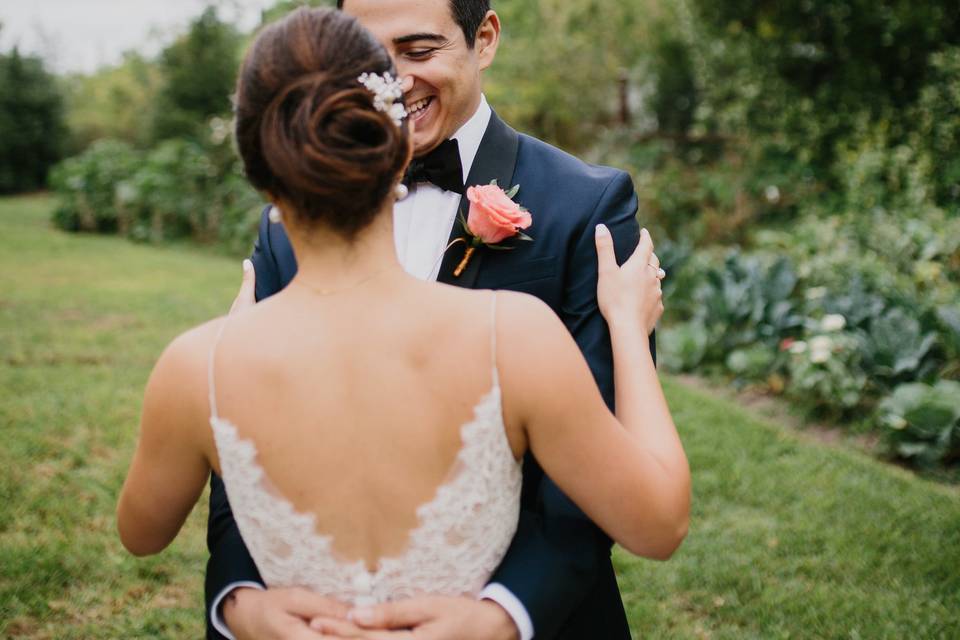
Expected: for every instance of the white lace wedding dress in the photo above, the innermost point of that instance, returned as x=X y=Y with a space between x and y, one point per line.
x=462 y=536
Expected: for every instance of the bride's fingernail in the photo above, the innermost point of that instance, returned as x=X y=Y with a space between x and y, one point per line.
x=602 y=230
x=363 y=616
x=247 y=265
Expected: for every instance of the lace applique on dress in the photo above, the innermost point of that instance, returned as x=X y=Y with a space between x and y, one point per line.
x=463 y=533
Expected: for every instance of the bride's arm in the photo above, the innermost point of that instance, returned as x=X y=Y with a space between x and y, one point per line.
x=169 y=468
x=629 y=473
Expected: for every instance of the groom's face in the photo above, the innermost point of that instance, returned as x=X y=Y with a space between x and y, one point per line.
x=430 y=50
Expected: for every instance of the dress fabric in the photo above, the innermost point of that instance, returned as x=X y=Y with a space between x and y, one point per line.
x=462 y=536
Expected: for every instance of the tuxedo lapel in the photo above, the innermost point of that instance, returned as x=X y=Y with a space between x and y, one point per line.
x=496 y=160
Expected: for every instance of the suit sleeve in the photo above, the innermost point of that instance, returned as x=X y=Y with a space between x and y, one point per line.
x=556 y=555
x=230 y=561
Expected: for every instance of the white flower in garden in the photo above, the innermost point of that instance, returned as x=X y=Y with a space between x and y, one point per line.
x=819 y=357
x=815 y=293
x=820 y=348
x=798 y=347
x=219 y=130
x=125 y=192
x=833 y=322
x=772 y=194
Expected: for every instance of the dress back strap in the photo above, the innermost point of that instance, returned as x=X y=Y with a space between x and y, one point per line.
x=211 y=386
x=493 y=336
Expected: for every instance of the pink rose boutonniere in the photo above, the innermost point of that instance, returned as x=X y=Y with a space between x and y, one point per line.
x=493 y=217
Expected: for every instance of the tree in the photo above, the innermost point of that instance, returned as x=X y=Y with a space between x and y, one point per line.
x=283 y=7
x=115 y=102
x=32 y=129
x=817 y=73
x=559 y=69
x=199 y=72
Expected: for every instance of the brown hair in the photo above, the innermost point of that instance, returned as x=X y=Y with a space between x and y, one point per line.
x=307 y=129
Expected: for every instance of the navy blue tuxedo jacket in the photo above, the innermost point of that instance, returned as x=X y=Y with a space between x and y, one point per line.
x=559 y=564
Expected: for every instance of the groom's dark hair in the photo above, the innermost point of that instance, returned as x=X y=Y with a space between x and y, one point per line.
x=469 y=15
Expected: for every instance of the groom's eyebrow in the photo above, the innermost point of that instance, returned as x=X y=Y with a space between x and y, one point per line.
x=417 y=37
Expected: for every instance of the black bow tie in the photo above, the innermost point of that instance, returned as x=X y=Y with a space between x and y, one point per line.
x=440 y=167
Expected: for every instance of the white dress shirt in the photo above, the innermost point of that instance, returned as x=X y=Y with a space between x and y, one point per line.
x=422 y=221
x=421 y=229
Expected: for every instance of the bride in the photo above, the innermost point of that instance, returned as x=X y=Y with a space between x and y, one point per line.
x=369 y=426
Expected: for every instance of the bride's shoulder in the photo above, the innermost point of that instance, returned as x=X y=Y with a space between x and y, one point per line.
x=184 y=359
x=526 y=315
x=512 y=308
x=531 y=336
x=523 y=306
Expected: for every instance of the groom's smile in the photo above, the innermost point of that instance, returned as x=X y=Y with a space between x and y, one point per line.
x=418 y=109
x=431 y=51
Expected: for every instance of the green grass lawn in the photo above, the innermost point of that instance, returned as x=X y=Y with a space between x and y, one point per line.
x=789 y=537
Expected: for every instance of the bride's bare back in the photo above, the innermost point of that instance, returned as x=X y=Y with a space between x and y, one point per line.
x=354 y=404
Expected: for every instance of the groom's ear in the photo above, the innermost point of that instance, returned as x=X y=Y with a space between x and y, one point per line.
x=488 y=39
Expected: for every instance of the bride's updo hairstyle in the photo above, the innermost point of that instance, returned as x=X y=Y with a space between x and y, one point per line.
x=306 y=128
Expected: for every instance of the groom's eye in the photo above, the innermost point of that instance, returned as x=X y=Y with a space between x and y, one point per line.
x=419 y=54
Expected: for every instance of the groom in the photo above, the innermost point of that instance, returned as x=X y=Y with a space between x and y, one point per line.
x=557 y=580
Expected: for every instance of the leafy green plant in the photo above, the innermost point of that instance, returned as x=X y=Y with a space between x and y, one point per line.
x=923 y=421
x=682 y=347
x=896 y=347
x=751 y=363
x=825 y=373
x=858 y=305
x=748 y=299
x=948 y=317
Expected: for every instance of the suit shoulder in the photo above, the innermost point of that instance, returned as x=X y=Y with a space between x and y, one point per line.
x=566 y=168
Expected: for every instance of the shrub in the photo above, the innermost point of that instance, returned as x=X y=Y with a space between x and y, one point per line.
x=938 y=112
x=818 y=313
x=180 y=189
x=87 y=186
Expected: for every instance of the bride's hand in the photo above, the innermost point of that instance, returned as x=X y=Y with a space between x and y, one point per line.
x=631 y=294
x=246 y=296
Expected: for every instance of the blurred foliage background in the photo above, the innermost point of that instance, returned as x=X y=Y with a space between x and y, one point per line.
x=798 y=160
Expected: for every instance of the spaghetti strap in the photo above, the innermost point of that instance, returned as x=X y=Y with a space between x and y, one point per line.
x=211 y=387
x=493 y=337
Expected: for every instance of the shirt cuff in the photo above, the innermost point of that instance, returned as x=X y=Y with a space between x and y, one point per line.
x=514 y=608
x=218 y=624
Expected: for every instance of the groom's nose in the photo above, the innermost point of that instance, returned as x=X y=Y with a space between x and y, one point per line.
x=406 y=84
